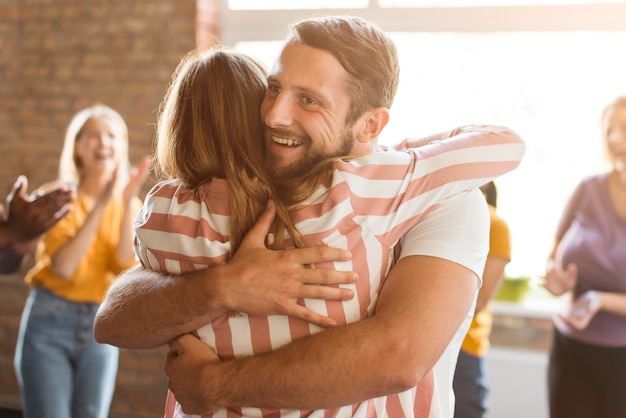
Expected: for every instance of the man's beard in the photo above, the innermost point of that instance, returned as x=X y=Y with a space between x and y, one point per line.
x=308 y=161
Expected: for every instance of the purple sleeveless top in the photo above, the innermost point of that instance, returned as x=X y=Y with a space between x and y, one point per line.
x=593 y=236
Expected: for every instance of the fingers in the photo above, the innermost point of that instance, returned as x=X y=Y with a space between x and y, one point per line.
x=310 y=316
x=144 y=164
x=326 y=277
x=174 y=345
x=175 y=349
x=140 y=172
x=188 y=348
x=182 y=343
x=62 y=212
x=58 y=197
x=571 y=270
x=314 y=255
x=52 y=206
x=21 y=185
x=258 y=232
x=137 y=178
x=172 y=355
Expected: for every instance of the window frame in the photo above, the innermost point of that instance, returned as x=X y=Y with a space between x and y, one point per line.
x=265 y=25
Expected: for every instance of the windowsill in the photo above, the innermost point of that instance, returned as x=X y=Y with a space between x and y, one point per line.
x=537 y=303
x=525 y=325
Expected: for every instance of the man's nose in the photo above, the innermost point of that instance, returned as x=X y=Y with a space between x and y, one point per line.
x=278 y=112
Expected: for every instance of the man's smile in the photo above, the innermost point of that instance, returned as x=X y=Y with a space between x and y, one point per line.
x=287 y=141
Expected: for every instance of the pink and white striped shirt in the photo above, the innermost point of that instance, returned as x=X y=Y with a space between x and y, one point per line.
x=371 y=202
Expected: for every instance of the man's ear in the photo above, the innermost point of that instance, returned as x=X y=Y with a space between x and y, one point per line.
x=369 y=126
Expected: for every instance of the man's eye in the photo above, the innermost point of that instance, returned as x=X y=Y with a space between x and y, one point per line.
x=273 y=90
x=308 y=100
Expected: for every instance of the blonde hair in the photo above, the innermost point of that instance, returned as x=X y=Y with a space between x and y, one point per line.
x=209 y=126
x=70 y=165
x=619 y=101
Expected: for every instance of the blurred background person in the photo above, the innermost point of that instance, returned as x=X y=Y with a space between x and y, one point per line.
x=587 y=363
x=24 y=218
x=470 y=381
x=62 y=371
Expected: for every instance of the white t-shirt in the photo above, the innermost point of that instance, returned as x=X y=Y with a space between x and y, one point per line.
x=458 y=231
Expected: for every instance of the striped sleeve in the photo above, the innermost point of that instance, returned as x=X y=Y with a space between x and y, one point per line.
x=393 y=187
x=176 y=233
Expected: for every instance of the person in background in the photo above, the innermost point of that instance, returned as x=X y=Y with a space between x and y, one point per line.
x=61 y=370
x=587 y=362
x=24 y=218
x=470 y=381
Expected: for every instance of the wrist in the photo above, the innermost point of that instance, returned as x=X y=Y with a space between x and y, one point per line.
x=212 y=289
x=5 y=240
x=10 y=260
x=8 y=235
x=598 y=297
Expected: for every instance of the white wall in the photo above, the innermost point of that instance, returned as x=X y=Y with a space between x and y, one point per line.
x=518 y=386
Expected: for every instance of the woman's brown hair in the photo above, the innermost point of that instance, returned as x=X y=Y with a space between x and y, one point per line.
x=209 y=126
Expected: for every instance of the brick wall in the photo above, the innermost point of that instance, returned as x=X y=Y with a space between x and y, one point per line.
x=57 y=56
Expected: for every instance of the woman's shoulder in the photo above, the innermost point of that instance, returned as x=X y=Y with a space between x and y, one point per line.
x=167 y=189
x=173 y=197
x=595 y=178
x=593 y=182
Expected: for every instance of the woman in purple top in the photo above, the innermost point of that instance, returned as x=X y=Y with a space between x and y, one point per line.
x=587 y=366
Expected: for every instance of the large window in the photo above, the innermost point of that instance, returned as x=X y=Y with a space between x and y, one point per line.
x=549 y=81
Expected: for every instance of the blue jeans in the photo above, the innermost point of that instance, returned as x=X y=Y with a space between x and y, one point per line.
x=470 y=387
x=61 y=369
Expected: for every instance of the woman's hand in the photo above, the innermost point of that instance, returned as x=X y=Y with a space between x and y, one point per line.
x=138 y=176
x=579 y=313
x=559 y=281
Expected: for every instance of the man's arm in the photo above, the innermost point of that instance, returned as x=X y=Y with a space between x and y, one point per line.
x=390 y=352
x=492 y=278
x=422 y=304
x=145 y=309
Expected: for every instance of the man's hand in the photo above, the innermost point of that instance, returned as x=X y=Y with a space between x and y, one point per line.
x=26 y=217
x=184 y=368
x=265 y=282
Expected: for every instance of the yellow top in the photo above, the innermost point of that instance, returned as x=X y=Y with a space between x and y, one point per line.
x=100 y=265
x=476 y=341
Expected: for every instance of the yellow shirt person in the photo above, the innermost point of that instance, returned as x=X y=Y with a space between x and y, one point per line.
x=98 y=268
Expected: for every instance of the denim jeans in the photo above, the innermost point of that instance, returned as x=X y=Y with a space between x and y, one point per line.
x=61 y=369
x=470 y=387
